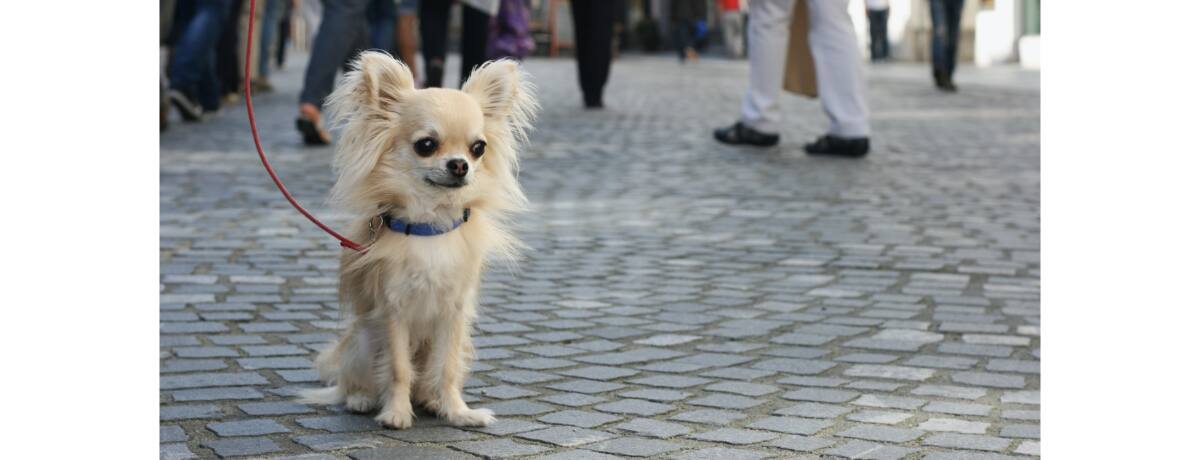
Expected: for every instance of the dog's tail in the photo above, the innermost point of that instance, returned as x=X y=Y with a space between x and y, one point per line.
x=324 y=396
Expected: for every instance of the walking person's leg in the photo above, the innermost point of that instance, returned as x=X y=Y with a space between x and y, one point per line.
x=768 y=28
x=406 y=35
x=191 y=69
x=938 y=42
x=342 y=25
x=953 y=22
x=593 y=21
x=474 y=41
x=883 y=33
x=435 y=18
x=878 y=36
x=841 y=86
x=270 y=20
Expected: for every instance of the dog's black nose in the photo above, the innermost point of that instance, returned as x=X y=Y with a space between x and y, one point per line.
x=457 y=167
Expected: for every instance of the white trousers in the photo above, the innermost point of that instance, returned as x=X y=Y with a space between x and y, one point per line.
x=840 y=84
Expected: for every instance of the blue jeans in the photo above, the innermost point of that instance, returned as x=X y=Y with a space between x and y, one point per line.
x=193 y=68
x=946 y=15
x=267 y=36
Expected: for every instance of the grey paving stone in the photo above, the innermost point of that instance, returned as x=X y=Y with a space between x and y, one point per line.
x=634 y=407
x=215 y=379
x=879 y=416
x=814 y=410
x=880 y=433
x=337 y=441
x=966 y=441
x=743 y=388
x=585 y=386
x=791 y=425
x=599 y=372
x=411 y=453
x=657 y=394
x=820 y=395
x=889 y=401
x=518 y=407
x=653 y=428
x=721 y=453
x=969 y=456
x=635 y=447
x=950 y=391
x=793 y=366
x=709 y=416
x=578 y=418
x=566 y=436
x=868 y=451
x=802 y=443
x=438 y=434
x=175 y=451
x=189 y=411
x=507 y=426
x=989 y=379
x=1023 y=430
x=498 y=448
x=171 y=433
x=214 y=394
x=242 y=446
x=339 y=423
x=275 y=408
x=947 y=407
x=252 y=427
x=734 y=436
x=573 y=399
x=577 y=454
x=726 y=401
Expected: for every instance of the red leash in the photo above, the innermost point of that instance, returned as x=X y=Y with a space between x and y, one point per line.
x=346 y=243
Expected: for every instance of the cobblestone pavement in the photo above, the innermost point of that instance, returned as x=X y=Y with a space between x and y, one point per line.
x=681 y=299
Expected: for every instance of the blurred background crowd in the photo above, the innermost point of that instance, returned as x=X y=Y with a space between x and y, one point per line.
x=203 y=42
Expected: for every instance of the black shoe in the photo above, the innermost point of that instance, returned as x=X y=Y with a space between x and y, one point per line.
x=312 y=134
x=738 y=134
x=942 y=80
x=188 y=107
x=853 y=147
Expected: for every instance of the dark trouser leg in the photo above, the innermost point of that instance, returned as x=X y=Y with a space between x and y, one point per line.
x=192 y=65
x=593 y=31
x=382 y=16
x=434 y=16
x=474 y=41
x=343 y=24
x=938 y=40
x=879 y=39
x=953 y=21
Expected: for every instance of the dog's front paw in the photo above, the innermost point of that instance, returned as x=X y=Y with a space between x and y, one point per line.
x=359 y=402
x=397 y=419
x=471 y=417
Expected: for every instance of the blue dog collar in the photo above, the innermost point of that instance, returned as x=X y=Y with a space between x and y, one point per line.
x=399 y=225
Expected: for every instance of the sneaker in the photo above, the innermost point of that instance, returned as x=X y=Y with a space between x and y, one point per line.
x=739 y=134
x=853 y=147
x=188 y=107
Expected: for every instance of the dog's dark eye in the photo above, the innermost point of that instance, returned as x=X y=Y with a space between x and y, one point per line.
x=477 y=148
x=425 y=146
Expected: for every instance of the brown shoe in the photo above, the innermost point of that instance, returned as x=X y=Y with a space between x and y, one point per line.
x=309 y=125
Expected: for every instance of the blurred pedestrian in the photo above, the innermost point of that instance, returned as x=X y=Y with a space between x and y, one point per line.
x=435 y=28
x=946 y=15
x=198 y=24
x=593 y=21
x=406 y=34
x=342 y=35
x=733 y=27
x=284 y=31
x=509 y=36
x=839 y=76
x=382 y=17
x=877 y=15
x=268 y=40
x=686 y=18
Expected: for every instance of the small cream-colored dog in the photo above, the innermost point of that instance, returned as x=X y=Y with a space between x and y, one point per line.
x=432 y=176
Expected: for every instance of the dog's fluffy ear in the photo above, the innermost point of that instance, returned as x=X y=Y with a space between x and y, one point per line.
x=504 y=92
x=378 y=80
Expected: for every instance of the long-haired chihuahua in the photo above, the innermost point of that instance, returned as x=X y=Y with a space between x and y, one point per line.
x=431 y=177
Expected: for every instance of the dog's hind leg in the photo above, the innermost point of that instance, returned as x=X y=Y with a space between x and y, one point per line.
x=397 y=409
x=356 y=373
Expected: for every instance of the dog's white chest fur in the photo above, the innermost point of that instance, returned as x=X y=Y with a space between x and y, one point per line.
x=430 y=276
